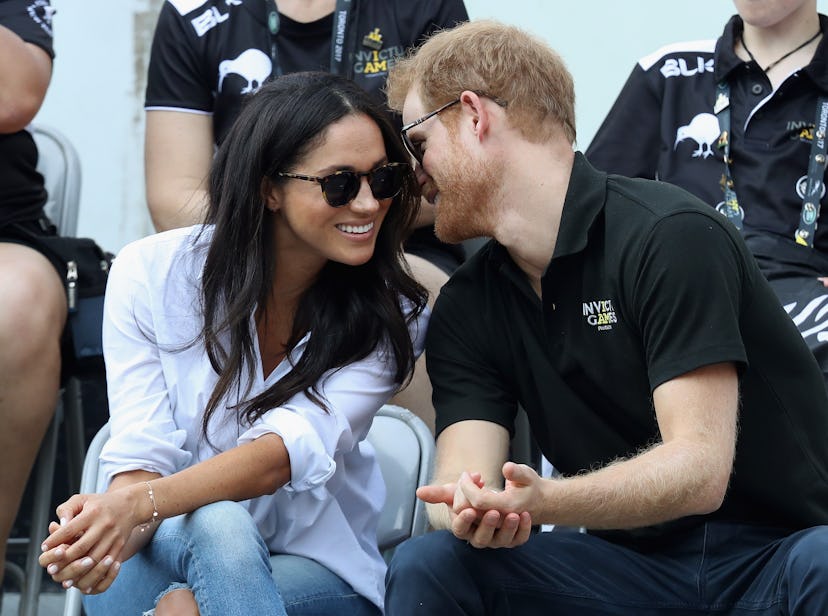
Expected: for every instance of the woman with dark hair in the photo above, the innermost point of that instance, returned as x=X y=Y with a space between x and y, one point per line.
x=246 y=359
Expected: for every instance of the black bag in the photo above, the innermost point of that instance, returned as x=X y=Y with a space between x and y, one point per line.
x=83 y=266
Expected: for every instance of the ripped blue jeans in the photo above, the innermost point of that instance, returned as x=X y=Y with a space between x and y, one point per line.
x=218 y=553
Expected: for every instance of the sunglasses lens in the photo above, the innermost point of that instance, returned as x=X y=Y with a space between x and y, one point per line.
x=386 y=181
x=340 y=187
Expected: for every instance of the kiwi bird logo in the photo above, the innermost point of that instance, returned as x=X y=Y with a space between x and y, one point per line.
x=704 y=130
x=252 y=65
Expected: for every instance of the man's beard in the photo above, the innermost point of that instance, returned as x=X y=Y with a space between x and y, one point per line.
x=465 y=196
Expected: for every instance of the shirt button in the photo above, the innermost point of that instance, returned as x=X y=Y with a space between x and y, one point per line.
x=757 y=89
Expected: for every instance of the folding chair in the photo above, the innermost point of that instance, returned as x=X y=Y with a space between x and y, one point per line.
x=59 y=164
x=405 y=451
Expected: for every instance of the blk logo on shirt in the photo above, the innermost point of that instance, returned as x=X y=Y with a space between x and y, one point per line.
x=679 y=67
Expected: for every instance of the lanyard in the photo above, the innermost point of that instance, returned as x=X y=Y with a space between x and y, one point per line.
x=342 y=37
x=809 y=215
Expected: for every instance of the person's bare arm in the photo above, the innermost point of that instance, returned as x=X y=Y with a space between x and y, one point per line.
x=466 y=446
x=101 y=525
x=25 y=71
x=686 y=473
x=178 y=151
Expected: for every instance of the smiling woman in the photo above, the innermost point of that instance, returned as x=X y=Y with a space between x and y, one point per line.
x=340 y=222
x=246 y=359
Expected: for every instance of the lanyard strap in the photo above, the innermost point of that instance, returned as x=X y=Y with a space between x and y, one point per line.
x=812 y=193
x=721 y=108
x=814 y=186
x=343 y=37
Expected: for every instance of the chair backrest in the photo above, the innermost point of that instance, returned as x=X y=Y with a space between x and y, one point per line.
x=59 y=164
x=91 y=480
x=405 y=451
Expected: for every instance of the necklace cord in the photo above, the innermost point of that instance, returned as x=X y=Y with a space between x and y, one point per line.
x=790 y=53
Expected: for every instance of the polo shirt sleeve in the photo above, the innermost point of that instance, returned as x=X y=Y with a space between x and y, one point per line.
x=628 y=141
x=461 y=356
x=690 y=280
x=175 y=78
x=315 y=436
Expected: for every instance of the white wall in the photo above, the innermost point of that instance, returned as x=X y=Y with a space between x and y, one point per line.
x=102 y=49
x=601 y=40
x=96 y=100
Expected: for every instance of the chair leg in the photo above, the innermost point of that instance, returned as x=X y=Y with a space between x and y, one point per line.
x=41 y=503
x=74 y=427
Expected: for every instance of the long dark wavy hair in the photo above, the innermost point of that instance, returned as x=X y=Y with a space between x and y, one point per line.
x=349 y=310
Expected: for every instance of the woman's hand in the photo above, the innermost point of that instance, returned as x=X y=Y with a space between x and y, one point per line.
x=84 y=548
x=91 y=577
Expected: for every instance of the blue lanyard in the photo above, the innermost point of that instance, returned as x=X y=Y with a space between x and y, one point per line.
x=809 y=215
x=342 y=37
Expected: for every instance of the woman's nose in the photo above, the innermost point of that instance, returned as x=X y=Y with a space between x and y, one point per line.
x=365 y=201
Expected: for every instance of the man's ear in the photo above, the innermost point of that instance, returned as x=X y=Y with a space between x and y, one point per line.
x=270 y=195
x=474 y=109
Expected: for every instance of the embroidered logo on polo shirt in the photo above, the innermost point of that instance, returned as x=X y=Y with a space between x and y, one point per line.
x=704 y=130
x=374 y=59
x=600 y=314
x=208 y=20
x=252 y=65
x=673 y=67
x=801 y=130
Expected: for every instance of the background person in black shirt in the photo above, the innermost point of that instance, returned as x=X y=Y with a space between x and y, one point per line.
x=771 y=66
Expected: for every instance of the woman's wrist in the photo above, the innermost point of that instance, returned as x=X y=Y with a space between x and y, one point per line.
x=154 y=517
x=143 y=508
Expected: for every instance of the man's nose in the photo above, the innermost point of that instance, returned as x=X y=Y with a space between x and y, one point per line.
x=420 y=174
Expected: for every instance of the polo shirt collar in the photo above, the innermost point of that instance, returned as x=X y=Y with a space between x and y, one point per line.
x=585 y=198
x=727 y=61
x=584 y=201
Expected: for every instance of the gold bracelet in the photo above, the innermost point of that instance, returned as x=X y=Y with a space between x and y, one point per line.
x=154 y=517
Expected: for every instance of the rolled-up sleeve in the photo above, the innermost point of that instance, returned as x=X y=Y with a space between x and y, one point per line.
x=313 y=436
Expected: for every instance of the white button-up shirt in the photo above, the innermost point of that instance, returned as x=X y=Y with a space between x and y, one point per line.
x=159 y=380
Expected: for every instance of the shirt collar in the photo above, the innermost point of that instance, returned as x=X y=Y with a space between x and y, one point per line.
x=585 y=198
x=727 y=61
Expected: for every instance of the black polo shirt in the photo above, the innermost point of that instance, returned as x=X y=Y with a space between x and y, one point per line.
x=629 y=302
x=662 y=126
